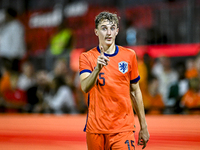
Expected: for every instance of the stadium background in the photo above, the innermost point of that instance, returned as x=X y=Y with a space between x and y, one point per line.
x=164 y=28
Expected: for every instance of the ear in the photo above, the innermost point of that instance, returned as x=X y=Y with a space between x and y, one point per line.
x=96 y=32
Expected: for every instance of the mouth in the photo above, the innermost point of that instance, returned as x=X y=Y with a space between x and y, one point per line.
x=109 y=38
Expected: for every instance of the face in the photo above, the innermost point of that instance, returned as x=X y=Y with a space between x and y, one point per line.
x=60 y=68
x=42 y=78
x=28 y=70
x=107 y=32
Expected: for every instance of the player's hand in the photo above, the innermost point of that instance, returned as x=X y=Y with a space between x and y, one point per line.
x=143 y=137
x=102 y=60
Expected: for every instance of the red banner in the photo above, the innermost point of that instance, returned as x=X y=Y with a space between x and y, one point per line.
x=173 y=50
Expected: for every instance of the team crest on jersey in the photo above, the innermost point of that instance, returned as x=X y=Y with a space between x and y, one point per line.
x=123 y=66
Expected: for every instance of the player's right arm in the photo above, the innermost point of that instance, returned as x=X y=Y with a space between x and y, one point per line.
x=87 y=79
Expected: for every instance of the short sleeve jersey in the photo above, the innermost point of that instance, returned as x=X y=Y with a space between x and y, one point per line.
x=109 y=103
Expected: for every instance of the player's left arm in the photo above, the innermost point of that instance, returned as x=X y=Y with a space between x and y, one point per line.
x=136 y=97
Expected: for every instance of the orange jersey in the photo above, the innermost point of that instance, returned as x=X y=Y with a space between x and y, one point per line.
x=110 y=108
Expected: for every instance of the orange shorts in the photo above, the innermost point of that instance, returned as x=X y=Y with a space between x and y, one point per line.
x=114 y=141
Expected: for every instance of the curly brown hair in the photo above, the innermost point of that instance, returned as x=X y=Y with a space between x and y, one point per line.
x=112 y=17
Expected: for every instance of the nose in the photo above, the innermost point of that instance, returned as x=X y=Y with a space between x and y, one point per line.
x=108 y=31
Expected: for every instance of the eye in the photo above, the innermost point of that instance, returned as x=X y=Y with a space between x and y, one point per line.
x=104 y=29
x=112 y=28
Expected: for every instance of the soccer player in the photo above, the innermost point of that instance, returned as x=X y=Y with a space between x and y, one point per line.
x=109 y=74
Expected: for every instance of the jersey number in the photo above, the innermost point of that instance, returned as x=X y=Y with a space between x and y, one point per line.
x=101 y=78
x=128 y=144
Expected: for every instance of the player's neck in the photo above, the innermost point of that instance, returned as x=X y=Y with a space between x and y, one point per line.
x=109 y=49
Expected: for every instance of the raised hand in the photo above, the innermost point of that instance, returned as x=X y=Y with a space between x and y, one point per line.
x=102 y=60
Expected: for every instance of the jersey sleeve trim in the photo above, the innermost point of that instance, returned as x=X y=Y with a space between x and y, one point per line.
x=135 y=80
x=86 y=70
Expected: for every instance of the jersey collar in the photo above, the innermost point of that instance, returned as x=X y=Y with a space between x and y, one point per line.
x=110 y=55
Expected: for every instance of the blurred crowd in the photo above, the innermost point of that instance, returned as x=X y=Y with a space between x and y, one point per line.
x=170 y=89
x=31 y=91
x=166 y=88
x=23 y=88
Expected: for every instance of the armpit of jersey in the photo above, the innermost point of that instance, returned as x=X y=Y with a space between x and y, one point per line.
x=86 y=70
x=135 y=80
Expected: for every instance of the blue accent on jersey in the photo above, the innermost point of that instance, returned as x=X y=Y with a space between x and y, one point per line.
x=110 y=55
x=86 y=70
x=135 y=80
x=87 y=113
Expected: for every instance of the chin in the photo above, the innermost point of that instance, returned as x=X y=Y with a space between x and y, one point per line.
x=109 y=43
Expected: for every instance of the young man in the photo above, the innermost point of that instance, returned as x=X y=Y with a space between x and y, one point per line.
x=109 y=75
